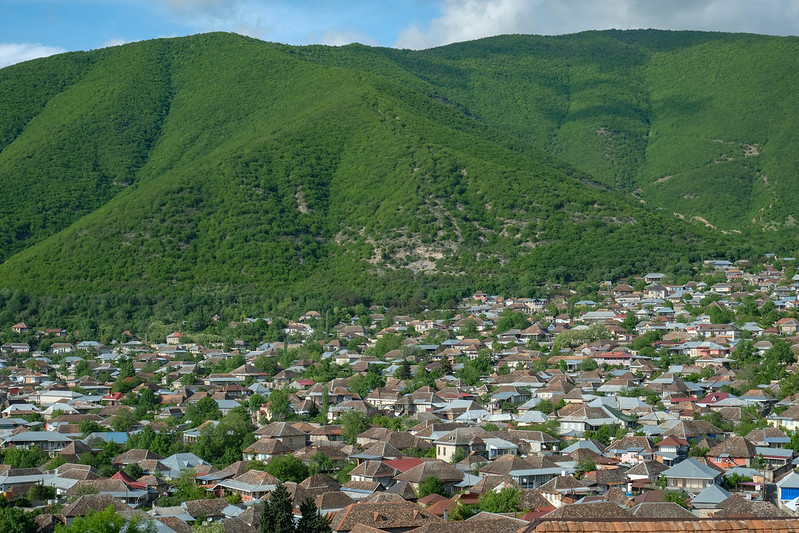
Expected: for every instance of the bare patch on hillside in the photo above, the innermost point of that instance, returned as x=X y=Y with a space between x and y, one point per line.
x=703 y=221
x=302 y=207
x=663 y=179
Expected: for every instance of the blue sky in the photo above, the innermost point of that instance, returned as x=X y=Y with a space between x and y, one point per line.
x=34 y=28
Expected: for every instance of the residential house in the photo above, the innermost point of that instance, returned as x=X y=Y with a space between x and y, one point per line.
x=252 y=485
x=691 y=475
x=264 y=449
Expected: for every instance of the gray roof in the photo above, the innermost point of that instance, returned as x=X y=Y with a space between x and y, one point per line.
x=789 y=481
x=37 y=436
x=182 y=461
x=712 y=495
x=691 y=469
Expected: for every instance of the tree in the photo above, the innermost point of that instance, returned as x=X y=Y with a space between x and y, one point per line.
x=22 y=458
x=780 y=353
x=459 y=455
x=133 y=470
x=15 y=520
x=446 y=366
x=205 y=409
x=604 y=433
x=147 y=399
x=468 y=328
x=678 y=497
x=107 y=521
x=386 y=343
x=276 y=515
x=363 y=383
x=123 y=420
x=287 y=468
x=506 y=500
x=353 y=423
x=431 y=485
x=255 y=402
x=583 y=467
x=89 y=426
x=279 y=404
x=510 y=319
x=404 y=370
x=311 y=520
x=463 y=512
x=222 y=444
x=185 y=490
x=39 y=491
x=630 y=321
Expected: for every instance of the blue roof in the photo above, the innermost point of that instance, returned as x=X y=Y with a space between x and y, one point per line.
x=120 y=437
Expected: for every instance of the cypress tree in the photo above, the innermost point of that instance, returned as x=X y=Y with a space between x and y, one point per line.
x=312 y=520
x=276 y=515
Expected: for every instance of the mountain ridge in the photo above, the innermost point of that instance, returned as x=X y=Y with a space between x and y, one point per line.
x=223 y=162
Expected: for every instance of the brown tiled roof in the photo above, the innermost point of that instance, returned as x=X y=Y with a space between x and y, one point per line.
x=507 y=463
x=102 y=485
x=692 y=428
x=80 y=472
x=440 y=469
x=663 y=526
x=617 y=496
x=175 y=523
x=333 y=500
x=662 y=511
x=207 y=508
x=562 y=484
x=383 y=497
x=135 y=455
x=257 y=477
x=393 y=515
x=734 y=447
x=267 y=445
x=362 y=485
x=279 y=429
x=373 y=469
x=402 y=489
x=650 y=496
x=651 y=469
x=533 y=499
x=320 y=483
x=631 y=442
x=736 y=506
x=589 y=511
x=363 y=528
x=605 y=477
x=95 y=502
x=384 y=449
x=488 y=483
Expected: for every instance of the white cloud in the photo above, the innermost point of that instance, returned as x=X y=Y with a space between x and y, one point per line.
x=340 y=38
x=240 y=16
x=114 y=42
x=11 y=53
x=463 y=20
x=288 y=21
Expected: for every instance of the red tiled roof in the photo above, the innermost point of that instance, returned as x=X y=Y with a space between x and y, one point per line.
x=403 y=464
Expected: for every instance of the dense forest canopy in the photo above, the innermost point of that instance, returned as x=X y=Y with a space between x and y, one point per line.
x=219 y=171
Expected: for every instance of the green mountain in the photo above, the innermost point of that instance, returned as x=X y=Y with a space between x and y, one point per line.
x=222 y=170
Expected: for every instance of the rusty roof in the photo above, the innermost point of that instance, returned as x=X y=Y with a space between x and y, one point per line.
x=663 y=526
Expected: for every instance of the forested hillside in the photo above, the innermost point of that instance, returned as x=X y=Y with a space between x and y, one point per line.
x=221 y=170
